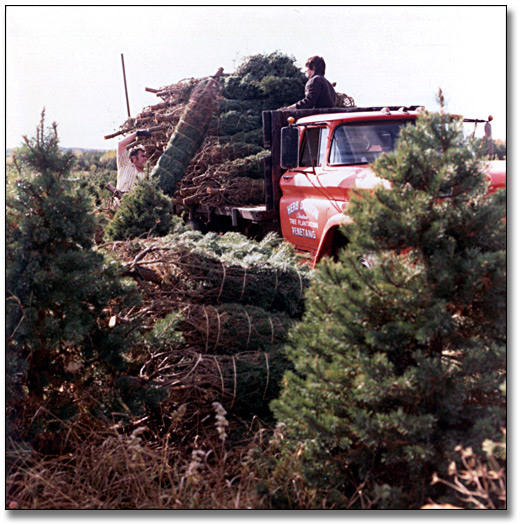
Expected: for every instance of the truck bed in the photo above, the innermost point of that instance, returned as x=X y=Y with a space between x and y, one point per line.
x=256 y=214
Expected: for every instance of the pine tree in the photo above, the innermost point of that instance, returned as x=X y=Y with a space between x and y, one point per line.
x=398 y=363
x=146 y=211
x=59 y=294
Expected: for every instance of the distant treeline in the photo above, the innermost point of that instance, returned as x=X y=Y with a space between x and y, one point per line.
x=9 y=151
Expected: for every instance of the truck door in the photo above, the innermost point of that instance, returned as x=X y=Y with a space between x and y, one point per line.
x=306 y=204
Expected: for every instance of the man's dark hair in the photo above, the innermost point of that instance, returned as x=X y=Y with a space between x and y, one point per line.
x=134 y=153
x=317 y=64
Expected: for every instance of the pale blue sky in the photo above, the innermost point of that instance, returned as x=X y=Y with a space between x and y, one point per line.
x=68 y=59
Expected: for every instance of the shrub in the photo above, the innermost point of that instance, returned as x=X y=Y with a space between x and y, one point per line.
x=60 y=351
x=145 y=211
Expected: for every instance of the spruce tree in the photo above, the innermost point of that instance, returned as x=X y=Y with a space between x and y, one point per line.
x=398 y=363
x=59 y=295
x=146 y=211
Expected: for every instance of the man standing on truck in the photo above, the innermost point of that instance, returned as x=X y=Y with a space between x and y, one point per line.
x=319 y=93
x=131 y=165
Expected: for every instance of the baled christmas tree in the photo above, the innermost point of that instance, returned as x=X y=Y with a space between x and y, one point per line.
x=398 y=363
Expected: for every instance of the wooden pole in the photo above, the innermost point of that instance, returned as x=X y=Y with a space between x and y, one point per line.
x=125 y=84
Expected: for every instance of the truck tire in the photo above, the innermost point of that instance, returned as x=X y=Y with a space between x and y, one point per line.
x=339 y=241
x=367 y=260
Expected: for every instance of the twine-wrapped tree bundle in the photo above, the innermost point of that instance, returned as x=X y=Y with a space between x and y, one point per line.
x=233 y=122
x=160 y=118
x=227 y=104
x=177 y=93
x=244 y=382
x=251 y=166
x=216 y=152
x=272 y=78
x=182 y=276
x=233 y=182
x=215 y=314
x=220 y=190
x=231 y=328
x=211 y=269
x=187 y=137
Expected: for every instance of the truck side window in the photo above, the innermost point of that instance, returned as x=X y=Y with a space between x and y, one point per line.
x=313 y=147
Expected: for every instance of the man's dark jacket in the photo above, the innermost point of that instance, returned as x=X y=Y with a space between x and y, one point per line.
x=319 y=93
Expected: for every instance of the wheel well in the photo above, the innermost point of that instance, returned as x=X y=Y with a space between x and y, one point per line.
x=339 y=241
x=334 y=241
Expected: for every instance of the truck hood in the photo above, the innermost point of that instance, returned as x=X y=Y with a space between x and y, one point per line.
x=365 y=178
x=495 y=171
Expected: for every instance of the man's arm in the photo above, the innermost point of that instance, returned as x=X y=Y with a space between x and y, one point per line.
x=138 y=134
x=312 y=91
x=122 y=145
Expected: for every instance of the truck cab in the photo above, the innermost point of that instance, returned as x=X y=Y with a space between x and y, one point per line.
x=323 y=158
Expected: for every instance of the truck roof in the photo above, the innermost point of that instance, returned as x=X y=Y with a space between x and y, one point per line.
x=362 y=114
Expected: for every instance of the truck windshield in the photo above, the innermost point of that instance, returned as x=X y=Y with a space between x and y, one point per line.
x=361 y=143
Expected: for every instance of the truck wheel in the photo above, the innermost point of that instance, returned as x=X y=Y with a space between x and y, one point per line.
x=340 y=241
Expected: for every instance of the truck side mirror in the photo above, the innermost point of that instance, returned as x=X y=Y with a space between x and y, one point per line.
x=289 y=147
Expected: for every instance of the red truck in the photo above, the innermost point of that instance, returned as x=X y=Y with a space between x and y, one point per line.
x=316 y=159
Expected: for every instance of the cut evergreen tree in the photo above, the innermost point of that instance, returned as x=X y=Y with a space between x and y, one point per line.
x=188 y=135
x=399 y=363
x=60 y=294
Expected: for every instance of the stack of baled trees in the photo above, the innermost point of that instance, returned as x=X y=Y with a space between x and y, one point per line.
x=207 y=143
x=214 y=318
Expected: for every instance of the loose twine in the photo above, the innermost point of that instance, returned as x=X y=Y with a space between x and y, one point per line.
x=221 y=377
x=249 y=329
x=218 y=317
x=267 y=375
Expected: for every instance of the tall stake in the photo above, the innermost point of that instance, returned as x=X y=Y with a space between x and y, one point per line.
x=125 y=83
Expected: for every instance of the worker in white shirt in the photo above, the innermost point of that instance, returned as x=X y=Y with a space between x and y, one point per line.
x=131 y=164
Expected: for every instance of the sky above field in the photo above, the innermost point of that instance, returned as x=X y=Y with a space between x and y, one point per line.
x=68 y=59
